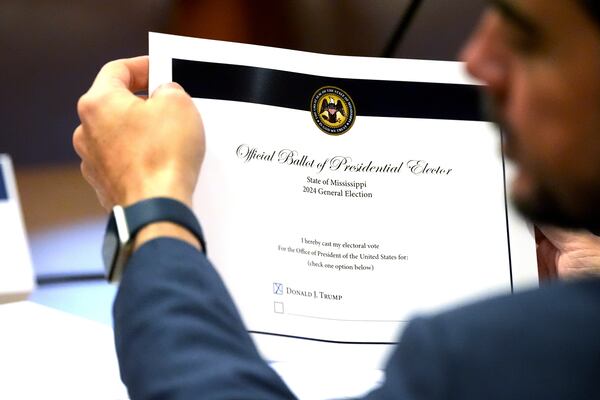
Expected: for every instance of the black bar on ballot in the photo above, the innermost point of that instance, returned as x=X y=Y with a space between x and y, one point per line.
x=373 y=98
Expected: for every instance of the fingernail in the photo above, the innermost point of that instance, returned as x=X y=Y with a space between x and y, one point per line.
x=173 y=85
x=170 y=86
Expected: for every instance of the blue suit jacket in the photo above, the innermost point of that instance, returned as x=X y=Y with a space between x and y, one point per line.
x=179 y=336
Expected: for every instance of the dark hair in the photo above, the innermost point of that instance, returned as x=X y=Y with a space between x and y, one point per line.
x=593 y=7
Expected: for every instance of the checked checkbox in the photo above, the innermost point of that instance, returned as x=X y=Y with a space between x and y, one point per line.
x=277 y=288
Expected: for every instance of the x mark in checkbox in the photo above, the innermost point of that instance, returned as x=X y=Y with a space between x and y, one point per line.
x=277 y=288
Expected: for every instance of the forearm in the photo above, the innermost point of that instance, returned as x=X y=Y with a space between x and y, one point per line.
x=178 y=334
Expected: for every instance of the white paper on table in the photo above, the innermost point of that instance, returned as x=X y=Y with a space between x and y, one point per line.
x=264 y=222
x=49 y=354
x=16 y=269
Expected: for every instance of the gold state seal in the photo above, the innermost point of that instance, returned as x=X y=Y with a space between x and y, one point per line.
x=332 y=110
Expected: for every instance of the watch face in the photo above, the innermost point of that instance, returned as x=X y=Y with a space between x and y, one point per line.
x=110 y=246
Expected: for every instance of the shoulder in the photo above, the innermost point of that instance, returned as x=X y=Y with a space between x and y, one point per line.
x=552 y=315
x=572 y=302
x=543 y=342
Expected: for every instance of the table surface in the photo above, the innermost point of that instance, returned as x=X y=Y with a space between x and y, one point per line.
x=51 y=354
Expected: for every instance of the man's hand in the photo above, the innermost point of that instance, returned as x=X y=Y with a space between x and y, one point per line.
x=133 y=148
x=567 y=254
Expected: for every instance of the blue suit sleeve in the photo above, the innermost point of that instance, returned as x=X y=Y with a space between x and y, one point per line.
x=179 y=336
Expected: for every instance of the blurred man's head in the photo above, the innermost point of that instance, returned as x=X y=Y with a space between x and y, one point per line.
x=540 y=60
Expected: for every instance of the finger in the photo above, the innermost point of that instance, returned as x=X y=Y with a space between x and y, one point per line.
x=546 y=257
x=559 y=237
x=543 y=272
x=89 y=174
x=104 y=202
x=94 y=180
x=539 y=235
x=78 y=142
x=130 y=74
x=167 y=88
x=541 y=261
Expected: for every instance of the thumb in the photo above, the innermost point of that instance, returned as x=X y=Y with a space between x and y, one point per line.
x=167 y=89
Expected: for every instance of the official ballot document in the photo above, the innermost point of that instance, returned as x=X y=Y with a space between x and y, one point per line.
x=341 y=195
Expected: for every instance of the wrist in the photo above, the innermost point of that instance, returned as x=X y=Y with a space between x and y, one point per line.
x=135 y=196
x=130 y=227
x=166 y=182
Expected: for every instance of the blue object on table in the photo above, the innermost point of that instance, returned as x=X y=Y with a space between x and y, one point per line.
x=3 y=194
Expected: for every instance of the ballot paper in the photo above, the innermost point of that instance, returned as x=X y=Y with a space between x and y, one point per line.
x=340 y=196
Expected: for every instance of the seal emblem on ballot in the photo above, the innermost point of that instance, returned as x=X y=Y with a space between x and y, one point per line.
x=332 y=110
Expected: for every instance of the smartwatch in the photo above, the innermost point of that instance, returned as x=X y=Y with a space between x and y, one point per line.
x=125 y=222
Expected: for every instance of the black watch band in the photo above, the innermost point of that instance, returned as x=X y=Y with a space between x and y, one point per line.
x=125 y=223
x=162 y=209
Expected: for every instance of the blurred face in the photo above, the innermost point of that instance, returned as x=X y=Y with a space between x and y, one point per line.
x=540 y=61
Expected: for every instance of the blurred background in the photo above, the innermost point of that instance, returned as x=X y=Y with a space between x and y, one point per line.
x=52 y=50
